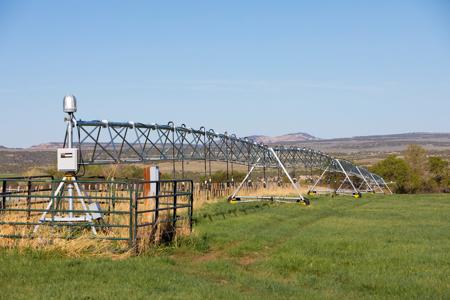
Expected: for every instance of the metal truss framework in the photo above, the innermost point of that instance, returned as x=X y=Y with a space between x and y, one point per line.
x=103 y=142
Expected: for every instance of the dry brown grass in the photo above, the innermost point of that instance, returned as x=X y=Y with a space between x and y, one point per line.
x=49 y=239
x=282 y=191
x=80 y=241
x=204 y=197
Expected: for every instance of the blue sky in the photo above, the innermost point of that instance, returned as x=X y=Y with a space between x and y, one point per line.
x=329 y=68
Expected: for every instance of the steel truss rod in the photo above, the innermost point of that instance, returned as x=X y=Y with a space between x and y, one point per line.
x=369 y=187
x=347 y=178
x=287 y=173
x=313 y=188
x=243 y=182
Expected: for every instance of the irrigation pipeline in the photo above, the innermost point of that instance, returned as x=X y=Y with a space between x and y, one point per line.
x=104 y=142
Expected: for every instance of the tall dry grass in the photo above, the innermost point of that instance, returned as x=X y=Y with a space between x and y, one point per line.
x=77 y=241
x=69 y=241
x=204 y=196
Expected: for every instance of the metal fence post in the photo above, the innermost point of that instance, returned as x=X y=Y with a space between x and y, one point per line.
x=29 y=199
x=135 y=229
x=130 y=229
x=191 y=205
x=158 y=188
x=174 y=204
x=4 y=195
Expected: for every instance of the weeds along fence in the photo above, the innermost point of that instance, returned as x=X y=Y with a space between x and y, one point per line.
x=132 y=214
x=215 y=190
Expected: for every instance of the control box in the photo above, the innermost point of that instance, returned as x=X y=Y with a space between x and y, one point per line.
x=68 y=159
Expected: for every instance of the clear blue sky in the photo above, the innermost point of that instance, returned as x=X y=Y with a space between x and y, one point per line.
x=329 y=68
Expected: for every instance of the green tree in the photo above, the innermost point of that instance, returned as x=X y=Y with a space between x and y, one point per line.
x=438 y=169
x=394 y=169
x=416 y=158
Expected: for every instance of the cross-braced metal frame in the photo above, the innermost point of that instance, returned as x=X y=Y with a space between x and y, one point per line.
x=103 y=142
x=368 y=182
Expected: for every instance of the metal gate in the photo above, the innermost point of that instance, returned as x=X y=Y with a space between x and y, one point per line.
x=128 y=211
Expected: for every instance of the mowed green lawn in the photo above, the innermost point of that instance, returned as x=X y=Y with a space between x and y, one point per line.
x=375 y=247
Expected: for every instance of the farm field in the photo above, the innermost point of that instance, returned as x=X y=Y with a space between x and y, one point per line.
x=376 y=247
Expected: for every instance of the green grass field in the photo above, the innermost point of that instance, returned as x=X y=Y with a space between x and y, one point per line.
x=375 y=247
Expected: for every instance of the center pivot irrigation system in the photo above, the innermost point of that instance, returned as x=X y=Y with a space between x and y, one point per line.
x=138 y=210
x=105 y=142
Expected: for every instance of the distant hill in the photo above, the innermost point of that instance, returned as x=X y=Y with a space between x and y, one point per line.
x=390 y=143
x=47 y=146
x=286 y=138
x=413 y=136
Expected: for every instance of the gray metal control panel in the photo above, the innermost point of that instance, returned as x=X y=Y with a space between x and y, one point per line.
x=68 y=159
